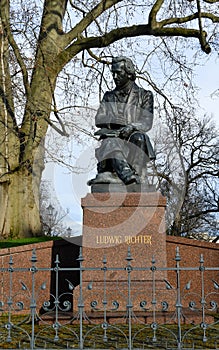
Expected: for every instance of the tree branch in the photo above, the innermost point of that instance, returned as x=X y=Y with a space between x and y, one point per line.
x=189 y=18
x=61 y=132
x=153 y=28
x=14 y=46
x=211 y=1
x=202 y=36
x=154 y=11
x=204 y=212
x=88 y=19
x=133 y=31
x=125 y=32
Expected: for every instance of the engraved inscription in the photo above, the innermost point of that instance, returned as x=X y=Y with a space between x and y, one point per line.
x=118 y=239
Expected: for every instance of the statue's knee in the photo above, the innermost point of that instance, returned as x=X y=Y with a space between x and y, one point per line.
x=137 y=138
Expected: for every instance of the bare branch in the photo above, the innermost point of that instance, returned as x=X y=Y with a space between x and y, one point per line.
x=202 y=36
x=60 y=132
x=211 y=1
x=154 y=11
x=125 y=32
x=88 y=19
x=134 y=31
x=76 y=7
x=14 y=46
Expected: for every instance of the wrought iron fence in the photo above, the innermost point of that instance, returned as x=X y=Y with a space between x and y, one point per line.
x=167 y=315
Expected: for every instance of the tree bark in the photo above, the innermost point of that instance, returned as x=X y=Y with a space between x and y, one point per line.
x=19 y=203
x=19 y=198
x=21 y=148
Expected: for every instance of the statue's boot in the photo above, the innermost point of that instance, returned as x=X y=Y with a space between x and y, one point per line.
x=104 y=165
x=105 y=174
x=125 y=172
x=105 y=178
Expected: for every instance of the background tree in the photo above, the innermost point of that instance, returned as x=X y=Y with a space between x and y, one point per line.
x=187 y=167
x=37 y=43
x=51 y=213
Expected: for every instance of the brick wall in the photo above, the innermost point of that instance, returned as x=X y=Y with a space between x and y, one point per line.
x=46 y=252
x=190 y=251
x=190 y=254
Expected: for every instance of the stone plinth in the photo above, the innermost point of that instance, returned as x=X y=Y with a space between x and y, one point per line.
x=114 y=223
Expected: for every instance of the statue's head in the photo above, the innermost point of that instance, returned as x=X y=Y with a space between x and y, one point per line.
x=124 y=67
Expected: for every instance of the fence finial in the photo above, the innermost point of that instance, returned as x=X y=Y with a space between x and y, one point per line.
x=80 y=256
x=177 y=257
x=34 y=257
x=129 y=256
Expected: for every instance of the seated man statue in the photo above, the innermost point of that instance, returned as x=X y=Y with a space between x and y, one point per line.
x=123 y=118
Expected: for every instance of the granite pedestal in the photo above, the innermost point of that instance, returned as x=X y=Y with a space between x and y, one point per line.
x=122 y=229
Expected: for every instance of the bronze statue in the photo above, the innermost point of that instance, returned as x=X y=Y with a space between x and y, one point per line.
x=123 y=118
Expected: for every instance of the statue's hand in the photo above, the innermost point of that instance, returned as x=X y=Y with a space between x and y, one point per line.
x=101 y=132
x=126 y=131
x=104 y=132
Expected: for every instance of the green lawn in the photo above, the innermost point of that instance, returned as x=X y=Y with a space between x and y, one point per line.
x=24 y=241
x=116 y=337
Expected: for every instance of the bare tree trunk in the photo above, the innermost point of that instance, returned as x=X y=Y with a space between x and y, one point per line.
x=19 y=203
x=19 y=199
x=21 y=151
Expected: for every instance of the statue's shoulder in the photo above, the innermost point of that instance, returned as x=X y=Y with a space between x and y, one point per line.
x=109 y=95
x=145 y=95
x=143 y=91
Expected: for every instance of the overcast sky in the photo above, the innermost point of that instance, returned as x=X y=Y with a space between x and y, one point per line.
x=208 y=80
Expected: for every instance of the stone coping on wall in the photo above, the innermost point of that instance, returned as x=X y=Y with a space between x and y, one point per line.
x=25 y=248
x=182 y=241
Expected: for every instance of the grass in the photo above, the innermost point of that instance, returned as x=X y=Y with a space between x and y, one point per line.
x=24 y=241
x=116 y=336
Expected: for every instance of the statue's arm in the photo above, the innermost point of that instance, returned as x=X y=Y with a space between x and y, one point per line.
x=101 y=118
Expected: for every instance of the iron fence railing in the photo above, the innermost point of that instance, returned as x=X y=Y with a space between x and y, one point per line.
x=167 y=315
